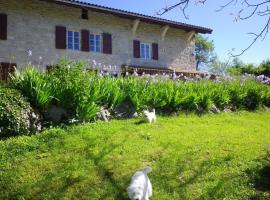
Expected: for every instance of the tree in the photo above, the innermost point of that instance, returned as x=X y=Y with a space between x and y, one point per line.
x=218 y=67
x=246 y=10
x=204 y=51
x=265 y=68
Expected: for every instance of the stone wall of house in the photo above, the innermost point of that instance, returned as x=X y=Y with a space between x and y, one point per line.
x=31 y=26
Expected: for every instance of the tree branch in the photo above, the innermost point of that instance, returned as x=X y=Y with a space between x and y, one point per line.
x=257 y=36
x=260 y=9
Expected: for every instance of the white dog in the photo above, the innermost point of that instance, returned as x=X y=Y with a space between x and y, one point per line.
x=140 y=187
x=151 y=116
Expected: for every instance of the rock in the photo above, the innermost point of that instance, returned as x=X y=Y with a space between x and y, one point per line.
x=227 y=110
x=214 y=109
x=199 y=108
x=125 y=110
x=135 y=115
x=35 y=121
x=56 y=114
x=104 y=115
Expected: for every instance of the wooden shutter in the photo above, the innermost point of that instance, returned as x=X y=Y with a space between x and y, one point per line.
x=107 y=43
x=85 y=40
x=136 y=49
x=60 y=37
x=155 y=51
x=3 y=27
x=6 y=69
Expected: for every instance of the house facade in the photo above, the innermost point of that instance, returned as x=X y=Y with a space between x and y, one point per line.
x=44 y=31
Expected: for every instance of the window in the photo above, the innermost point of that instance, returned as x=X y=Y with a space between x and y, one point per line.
x=145 y=51
x=84 y=14
x=95 y=43
x=73 y=40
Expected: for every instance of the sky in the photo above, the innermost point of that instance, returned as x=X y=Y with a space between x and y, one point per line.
x=227 y=34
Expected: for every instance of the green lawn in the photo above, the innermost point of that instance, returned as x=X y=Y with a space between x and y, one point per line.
x=210 y=157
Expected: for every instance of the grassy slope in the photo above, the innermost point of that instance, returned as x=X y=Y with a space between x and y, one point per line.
x=192 y=158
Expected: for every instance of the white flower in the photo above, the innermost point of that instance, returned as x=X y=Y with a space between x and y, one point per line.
x=29 y=52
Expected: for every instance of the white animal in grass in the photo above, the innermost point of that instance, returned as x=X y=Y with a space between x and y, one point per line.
x=140 y=187
x=150 y=116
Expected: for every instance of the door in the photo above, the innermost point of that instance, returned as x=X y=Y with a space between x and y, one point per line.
x=6 y=69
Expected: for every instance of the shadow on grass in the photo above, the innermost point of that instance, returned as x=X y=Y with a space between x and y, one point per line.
x=260 y=178
x=142 y=121
x=184 y=181
x=106 y=174
x=261 y=183
x=60 y=177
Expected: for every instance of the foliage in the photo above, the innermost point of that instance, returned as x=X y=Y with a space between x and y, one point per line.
x=193 y=157
x=15 y=113
x=71 y=86
x=83 y=93
x=264 y=68
x=218 y=67
x=34 y=85
x=237 y=67
x=204 y=50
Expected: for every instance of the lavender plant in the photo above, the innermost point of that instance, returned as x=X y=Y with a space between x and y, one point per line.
x=84 y=90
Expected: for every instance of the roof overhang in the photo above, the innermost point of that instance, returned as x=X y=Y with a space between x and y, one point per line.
x=132 y=15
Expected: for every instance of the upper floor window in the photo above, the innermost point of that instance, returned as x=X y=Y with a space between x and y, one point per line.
x=95 y=43
x=145 y=51
x=84 y=14
x=73 y=40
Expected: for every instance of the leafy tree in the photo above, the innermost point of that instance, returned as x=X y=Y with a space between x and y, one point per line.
x=218 y=66
x=237 y=63
x=237 y=67
x=204 y=51
x=265 y=67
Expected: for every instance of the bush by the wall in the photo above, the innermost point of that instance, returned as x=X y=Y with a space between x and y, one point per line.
x=82 y=93
x=35 y=86
x=16 y=114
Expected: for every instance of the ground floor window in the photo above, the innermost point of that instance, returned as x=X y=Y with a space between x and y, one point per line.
x=73 y=40
x=95 y=43
x=145 y=51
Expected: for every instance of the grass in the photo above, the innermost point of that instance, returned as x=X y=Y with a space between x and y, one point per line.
x=209 y=157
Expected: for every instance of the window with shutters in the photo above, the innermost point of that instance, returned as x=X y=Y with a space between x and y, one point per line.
x=95 y=43
x=73 y=40
x=145 y=51
x=84 y=14
x=3 y=26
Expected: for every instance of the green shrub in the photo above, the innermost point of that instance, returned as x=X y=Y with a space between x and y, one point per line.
x=34 y=85
x=15 y=113
x=82 y=93
x=72 y=90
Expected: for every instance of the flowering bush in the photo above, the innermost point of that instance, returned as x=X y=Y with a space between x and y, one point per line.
x=83 y=93
x=16 y=115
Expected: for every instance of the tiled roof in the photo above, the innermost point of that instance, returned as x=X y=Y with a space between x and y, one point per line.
x=133 y=15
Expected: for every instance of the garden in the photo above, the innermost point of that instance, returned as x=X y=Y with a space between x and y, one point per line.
x=210 y=141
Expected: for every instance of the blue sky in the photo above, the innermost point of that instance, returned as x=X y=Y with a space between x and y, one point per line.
x=227 y=33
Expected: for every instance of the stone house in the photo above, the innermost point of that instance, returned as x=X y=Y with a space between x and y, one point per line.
x=44 y=31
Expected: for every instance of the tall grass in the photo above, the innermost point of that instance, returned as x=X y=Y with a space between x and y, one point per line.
x=83 y=93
